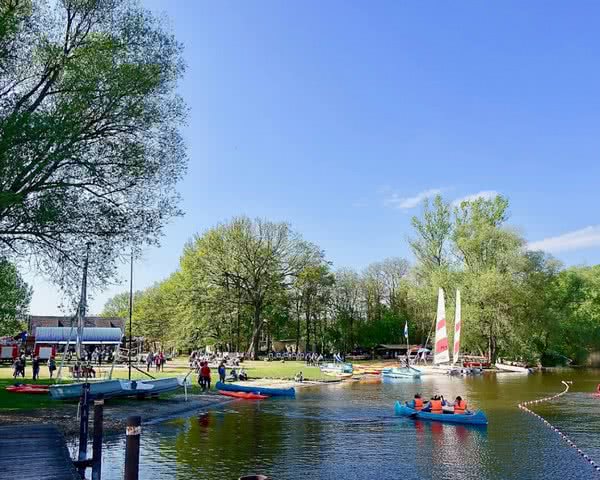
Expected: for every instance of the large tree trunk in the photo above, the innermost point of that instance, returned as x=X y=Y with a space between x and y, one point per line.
x=298 y=326
x=257 y=324
x=308 y=327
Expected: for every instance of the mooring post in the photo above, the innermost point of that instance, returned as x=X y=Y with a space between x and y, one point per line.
x=132 y=447
x=97 y=441
x=84 y=408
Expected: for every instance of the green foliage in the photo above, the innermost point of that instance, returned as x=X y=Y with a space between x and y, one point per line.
x=15 y=296
x=90 y=148
x=244 y=284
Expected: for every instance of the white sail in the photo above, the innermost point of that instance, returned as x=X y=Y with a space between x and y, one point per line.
x=441 y=354
x=457 y=328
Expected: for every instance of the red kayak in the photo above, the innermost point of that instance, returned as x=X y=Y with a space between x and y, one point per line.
x=32 y=389
x=244 y=395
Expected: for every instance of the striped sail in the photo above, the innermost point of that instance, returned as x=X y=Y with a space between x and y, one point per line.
x=457 y=328
x=441 y=354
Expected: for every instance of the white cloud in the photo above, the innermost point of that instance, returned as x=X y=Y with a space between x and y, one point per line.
x=485 y=194
x=406 y=203
x=587 y=237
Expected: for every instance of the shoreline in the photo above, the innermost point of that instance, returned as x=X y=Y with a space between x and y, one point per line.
x=152 y=410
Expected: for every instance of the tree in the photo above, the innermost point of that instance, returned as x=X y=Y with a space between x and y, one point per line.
x=15 y=296
x=90 y=148
x=313 y=284
x=433 y=232
x=118 y=305
x=258 y=258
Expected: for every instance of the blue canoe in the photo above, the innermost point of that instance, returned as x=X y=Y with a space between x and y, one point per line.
x=474 y=418
x=272 y=392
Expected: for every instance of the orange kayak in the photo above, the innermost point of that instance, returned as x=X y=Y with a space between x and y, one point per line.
x=32 y=389
x=244 y=395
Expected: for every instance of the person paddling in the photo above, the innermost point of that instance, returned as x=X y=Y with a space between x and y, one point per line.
x=460 y=406
x=417 y=402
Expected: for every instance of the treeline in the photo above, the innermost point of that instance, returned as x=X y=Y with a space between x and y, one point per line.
x=245 y=283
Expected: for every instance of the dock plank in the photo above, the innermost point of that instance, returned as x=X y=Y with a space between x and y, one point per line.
x=35 y=452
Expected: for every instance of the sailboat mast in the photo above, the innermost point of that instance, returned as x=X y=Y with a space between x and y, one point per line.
x=130 y=311
x=82 y=304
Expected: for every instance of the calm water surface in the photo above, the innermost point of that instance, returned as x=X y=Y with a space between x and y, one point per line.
x=348 y=431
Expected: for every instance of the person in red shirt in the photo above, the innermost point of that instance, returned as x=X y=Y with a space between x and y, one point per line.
x=205 y=377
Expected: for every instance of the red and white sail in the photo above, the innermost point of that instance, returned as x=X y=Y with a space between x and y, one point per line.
x=441 y=354
x=457 y=328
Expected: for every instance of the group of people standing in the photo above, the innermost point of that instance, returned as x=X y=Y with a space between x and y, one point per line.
x=156 y=359
x=204 y=376
x=20 y=363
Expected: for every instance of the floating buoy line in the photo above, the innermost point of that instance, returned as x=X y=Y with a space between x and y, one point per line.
x=523 y=406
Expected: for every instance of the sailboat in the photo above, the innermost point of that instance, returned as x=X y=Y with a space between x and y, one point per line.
x=441 y=355
x=402 y=372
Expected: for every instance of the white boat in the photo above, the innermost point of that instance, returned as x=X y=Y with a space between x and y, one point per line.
x=401 y=372
x=513 y=368
x=341 y=370
x=119 y=388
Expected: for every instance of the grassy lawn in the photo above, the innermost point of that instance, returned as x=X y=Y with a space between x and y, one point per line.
x=256 y=370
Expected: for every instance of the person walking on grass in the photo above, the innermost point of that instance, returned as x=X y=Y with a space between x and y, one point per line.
x=16 y=367
x=163 y=360
x=157 y=362
x=205 y=374
x=51 y=366
x=149 y=360
x=35 y=365
x=222 y=372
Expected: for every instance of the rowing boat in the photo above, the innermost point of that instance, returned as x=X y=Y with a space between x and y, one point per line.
x=337 y=369
x=473 y=418
x=271 y=392
x=244 y=395
x=31 y=389
x=512 y=368
x=402 y=372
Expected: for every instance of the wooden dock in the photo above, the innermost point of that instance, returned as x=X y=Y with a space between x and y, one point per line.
x=35 y=452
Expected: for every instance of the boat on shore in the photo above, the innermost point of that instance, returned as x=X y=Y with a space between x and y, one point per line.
x=340 y=370
x=28 y=388
x=401 y=372
x=243 y=395
x=271 y=392
x=507 y=367
x=473 y=418
x=119 y=388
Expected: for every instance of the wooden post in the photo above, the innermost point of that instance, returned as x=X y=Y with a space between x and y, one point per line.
x=132 y=448
x=84 y=407
x=97 y=442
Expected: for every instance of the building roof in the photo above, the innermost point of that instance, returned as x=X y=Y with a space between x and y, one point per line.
x=36 y=321
x=91 y=335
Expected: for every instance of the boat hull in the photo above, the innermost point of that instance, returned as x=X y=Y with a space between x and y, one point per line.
x=271 y=392
x=406 y=372
x=117 y=388
x=475 y=418
x=337 y=369
x=512 y=368
x=243 y=395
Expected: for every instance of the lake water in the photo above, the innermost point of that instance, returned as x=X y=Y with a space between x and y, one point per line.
x=349 y=431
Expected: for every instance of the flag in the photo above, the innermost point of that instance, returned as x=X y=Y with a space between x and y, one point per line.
x=406 y=329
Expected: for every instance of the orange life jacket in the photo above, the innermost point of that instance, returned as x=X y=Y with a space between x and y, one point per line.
x=436 y=406
x=460 y=407
x=418 y=403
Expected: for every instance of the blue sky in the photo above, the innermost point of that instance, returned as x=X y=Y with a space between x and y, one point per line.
x=338 y=116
